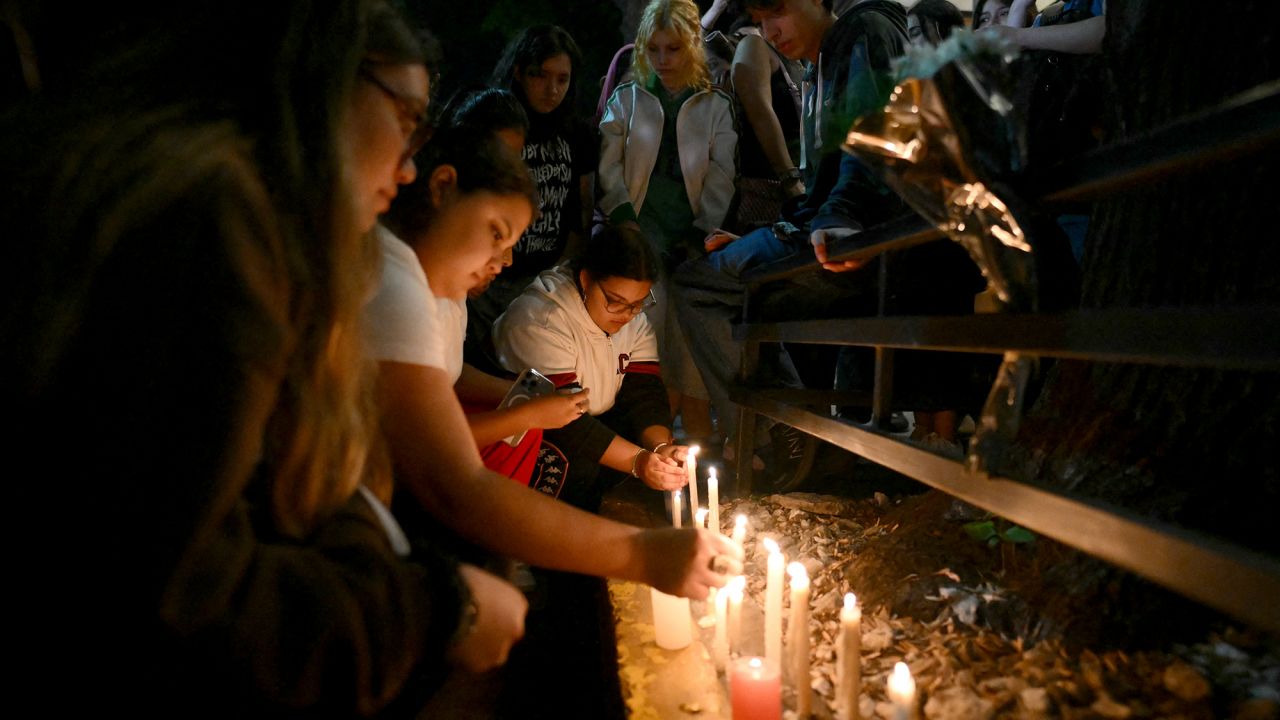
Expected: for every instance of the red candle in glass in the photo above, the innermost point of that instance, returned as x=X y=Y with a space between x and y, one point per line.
x=755 y=690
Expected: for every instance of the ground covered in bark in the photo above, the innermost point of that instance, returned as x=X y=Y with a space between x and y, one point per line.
x=995 y=622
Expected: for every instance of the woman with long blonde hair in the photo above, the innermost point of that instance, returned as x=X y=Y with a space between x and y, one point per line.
x=667 y=166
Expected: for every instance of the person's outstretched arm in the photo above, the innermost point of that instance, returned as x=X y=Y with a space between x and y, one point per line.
x=437 y=461
x=1077 y=38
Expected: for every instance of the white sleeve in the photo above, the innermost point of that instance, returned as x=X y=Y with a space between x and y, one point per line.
x=401 y=323
x=542 y=346
x=717 y=188
x=613 y=142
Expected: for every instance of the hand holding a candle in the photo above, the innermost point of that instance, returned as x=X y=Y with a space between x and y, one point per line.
x=689 y=562
x=664 y=469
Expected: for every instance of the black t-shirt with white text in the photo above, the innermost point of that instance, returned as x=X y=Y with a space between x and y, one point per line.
x=559 y=153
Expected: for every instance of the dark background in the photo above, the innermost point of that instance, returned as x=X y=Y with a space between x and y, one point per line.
x=472 y=35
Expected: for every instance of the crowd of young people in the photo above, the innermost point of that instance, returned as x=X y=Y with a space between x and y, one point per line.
x=254 y=303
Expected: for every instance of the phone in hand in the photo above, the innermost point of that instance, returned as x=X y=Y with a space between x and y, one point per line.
x=529 y=385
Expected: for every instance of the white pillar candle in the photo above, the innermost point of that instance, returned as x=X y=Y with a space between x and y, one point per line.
x=773 y=605
x=700 y=519
x=691 y=468
x=902 y=692
x=740 y=530
x=675 y=508
x=713 y=499
x=672 y=622
x=850 y=687
x=798 y=638
x=720 y=646
x=734 y=590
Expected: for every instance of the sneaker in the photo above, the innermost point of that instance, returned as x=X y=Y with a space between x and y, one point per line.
x=939 y=445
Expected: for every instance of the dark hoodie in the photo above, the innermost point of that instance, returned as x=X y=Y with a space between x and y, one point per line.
x=852 y=76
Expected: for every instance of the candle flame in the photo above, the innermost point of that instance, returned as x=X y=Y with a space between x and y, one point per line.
x=694 y=450
x=677 y=494
x=737 y=585
x=797 y=572
x=771 y=546
x=740 y=521
x=850 y=601
x=756 y=662
x=701 y=516
x=711 y=474
x=901 y=684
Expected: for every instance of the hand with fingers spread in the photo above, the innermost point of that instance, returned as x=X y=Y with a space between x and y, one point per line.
x=819 y=240
x=555 y=410
x=689 y=562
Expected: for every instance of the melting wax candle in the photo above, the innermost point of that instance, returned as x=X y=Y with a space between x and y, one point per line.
x=740 y=530
x=672 y=621
x=713 y=499
x=691 y=469
x=755 y=690
x=798 y=638
x=850 y=649
x=901 y=689
x=734 y=590
x=773 y=604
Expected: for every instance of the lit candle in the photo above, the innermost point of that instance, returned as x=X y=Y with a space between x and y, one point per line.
x=672 y=622
x=700 y=518
x=902 y=692
x=720 y=646
x=773 y=605
x=734 y=590
x=850 y=687
x=713 y=499
x=740 y=530
x=691 y=467
x=798 y=636
x=675 y=508
x=755 y=690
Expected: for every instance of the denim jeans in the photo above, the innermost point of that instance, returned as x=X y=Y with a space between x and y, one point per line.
x=709 y=292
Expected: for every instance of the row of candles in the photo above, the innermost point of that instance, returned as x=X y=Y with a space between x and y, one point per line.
x=756 y=683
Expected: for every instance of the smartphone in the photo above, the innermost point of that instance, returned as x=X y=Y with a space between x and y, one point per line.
x=529 y=385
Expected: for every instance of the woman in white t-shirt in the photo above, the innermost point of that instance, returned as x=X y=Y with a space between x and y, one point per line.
x=471 y=201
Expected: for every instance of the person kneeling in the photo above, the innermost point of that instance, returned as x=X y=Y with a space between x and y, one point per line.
x=582 y=325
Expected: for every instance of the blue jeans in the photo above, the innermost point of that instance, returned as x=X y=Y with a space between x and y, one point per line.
x=708 y=292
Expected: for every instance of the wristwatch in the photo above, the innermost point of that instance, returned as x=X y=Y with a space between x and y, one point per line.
x=790 y=175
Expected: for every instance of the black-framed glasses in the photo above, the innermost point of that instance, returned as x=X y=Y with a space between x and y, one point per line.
x=413 y=122
x=635 y=308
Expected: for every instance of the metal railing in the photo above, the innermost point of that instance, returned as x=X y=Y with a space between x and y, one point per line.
x=1223 y=575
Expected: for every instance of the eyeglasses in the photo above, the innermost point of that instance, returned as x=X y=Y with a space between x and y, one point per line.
x=616 y=306
x=413 y=122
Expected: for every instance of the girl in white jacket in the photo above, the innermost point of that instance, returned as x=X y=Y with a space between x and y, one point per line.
x=667 y=167
x=583 y=325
